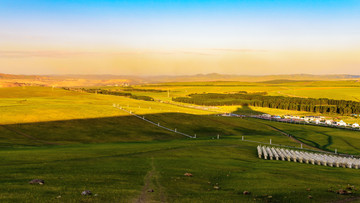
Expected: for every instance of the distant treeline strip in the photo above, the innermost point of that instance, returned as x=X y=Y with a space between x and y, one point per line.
x=131 y=89
x=322 y=105
x=108 y=92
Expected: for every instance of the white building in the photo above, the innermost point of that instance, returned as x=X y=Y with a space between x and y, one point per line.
x=341 y=123
x=355 y=125
x=328 y=122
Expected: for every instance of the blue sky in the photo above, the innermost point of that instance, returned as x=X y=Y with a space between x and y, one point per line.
x=148 y=22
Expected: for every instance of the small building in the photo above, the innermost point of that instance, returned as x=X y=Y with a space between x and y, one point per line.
x=295 y=117
x=341 y=123
x=309 y=118
x=328 y=122
x=355 y=125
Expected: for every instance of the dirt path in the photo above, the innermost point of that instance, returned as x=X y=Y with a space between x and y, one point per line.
x=152 y=189
x=27 y=135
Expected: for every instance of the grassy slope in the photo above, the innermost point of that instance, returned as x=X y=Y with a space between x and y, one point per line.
x=345 y=141
x=85 y=118
x=116 y=171
x=38 y=104
x=341 y=90
x=130 y=129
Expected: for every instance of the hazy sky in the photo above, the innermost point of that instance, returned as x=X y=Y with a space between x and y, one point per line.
x=179 y=37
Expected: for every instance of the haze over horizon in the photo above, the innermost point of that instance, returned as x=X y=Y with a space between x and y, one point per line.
x=179 y=37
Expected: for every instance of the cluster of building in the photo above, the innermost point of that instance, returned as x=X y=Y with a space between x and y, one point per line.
x=307 y=157
x=318 y=120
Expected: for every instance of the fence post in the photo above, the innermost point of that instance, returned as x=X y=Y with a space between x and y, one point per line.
x=242 y=138
x=218 y=136
x=270 y=141
x=195 y=136
x=301 y=146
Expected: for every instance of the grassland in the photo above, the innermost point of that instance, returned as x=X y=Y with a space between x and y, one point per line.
x=325 y=138
x=37 y=104
x=118 y=172
x=78 y=141
x=347 y=90
x=340 y=90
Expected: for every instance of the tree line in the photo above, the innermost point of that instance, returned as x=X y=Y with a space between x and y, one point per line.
x=109 y=92
x=322 y=105
x=131 y=89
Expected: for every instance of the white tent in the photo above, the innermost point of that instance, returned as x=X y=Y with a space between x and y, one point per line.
x=307 y=157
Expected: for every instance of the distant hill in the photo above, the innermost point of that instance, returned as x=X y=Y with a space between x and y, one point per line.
x=8 y=80
x=245 y=78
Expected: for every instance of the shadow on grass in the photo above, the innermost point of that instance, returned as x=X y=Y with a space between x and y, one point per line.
x=247 y=111
x=128 y=129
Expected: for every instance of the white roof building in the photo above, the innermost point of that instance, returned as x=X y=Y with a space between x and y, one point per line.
x=328 y=122
x=341 y=123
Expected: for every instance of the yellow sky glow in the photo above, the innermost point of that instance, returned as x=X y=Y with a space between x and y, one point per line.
x=162 y=62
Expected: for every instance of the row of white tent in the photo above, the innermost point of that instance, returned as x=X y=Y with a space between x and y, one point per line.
x=307 y=157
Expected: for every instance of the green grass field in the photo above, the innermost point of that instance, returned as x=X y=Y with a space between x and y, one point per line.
x=325 y=138
x=79 y=141
x=120 y=172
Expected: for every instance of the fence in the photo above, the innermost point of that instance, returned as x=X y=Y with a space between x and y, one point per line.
x=242 y=139
x=156 y=124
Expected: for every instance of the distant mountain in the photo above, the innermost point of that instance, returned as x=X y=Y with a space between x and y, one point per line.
x=8 y=80
x=249 y=78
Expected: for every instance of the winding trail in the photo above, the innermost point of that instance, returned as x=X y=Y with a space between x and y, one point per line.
x=152 y=187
